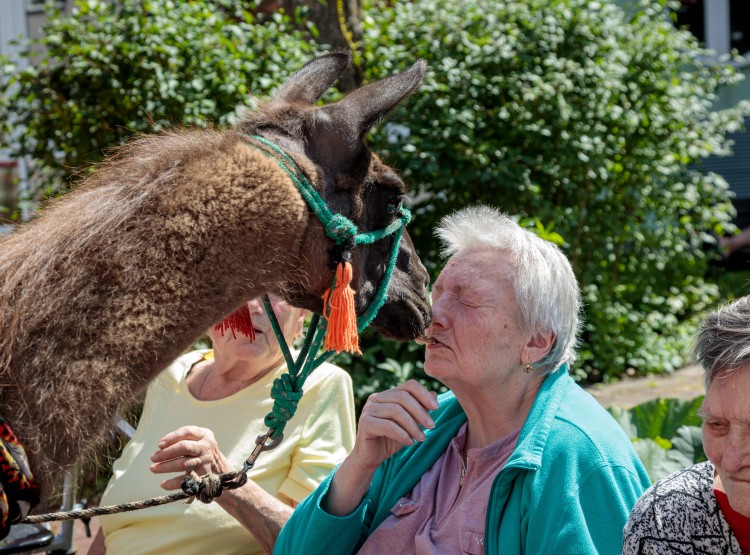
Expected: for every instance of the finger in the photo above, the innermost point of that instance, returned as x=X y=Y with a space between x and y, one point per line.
x=388 y=429
x=185 y=448
x=186 y=432
x=389 y=400
x=427 y=398
x=396 y=414
x=173 y=483
x=202 y=465
x=169 y=467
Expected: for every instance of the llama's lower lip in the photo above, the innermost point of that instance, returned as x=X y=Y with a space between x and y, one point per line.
x=410 y=318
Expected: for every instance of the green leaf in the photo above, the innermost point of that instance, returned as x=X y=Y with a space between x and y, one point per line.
x=663 y=417
x=625 y=420
x=653 y=457
x=689 y=442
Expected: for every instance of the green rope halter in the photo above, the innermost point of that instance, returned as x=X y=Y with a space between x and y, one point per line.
x=287 y=390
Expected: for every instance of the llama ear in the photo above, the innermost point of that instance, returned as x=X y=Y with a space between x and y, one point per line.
x=309 y=83
x=372 y=102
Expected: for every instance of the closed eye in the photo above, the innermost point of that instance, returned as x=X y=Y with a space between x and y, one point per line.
x=717 y=427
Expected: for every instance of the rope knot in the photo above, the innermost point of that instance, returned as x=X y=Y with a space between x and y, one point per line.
x=205 y=488
x=340 y=228
x=405 y=215
x=341 y=253
x=285 y=403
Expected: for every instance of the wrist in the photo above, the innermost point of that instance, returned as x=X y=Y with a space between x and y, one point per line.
x=236 y=497
x=348 y=487
x=360 y=462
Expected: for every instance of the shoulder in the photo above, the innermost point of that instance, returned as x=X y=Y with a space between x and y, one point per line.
x=584 y=447
x=685 y=490
x=328 y=393
x=173 y=374
x=580 y=418
x=677 y=507
x=582 y=422
x=328 y=375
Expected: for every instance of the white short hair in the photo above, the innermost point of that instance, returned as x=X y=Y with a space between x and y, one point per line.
x=545 y=286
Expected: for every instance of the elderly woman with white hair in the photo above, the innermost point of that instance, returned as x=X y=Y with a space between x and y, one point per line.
x=516 y=458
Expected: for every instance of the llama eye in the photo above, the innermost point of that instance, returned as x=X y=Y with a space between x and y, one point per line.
x=395 y=203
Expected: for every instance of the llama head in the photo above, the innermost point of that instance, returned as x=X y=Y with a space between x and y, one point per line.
x=328 y=143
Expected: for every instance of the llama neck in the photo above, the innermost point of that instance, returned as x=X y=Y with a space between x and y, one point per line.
x=113 y=282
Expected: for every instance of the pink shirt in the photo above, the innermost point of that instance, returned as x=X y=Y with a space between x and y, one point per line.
x=446 y=510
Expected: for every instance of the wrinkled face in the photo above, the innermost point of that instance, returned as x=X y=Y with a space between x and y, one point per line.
x=476 y=323
x=264 y=349
x=726 y=434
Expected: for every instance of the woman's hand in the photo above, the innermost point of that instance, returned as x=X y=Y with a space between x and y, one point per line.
x=390 y=420
x=187 y=449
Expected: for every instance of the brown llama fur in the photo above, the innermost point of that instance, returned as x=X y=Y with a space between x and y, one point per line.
x=113 y=281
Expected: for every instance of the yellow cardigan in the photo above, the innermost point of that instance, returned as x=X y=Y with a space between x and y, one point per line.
x=318 y=437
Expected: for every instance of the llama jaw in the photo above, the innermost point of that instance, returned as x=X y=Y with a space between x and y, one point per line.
x=410 y=318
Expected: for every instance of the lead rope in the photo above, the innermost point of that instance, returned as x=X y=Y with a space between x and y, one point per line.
x=287 y=390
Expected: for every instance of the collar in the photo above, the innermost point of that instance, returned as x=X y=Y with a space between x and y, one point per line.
x=536 y=429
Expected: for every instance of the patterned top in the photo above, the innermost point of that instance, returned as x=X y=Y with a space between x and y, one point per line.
x=680 y=514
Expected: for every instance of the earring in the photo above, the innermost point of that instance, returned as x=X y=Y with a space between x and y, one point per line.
x=528 y=368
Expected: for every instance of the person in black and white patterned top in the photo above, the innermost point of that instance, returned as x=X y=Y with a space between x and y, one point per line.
x=706 y=508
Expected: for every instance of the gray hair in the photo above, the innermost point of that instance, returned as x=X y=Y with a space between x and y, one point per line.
x=545 y=286
x=723 y=340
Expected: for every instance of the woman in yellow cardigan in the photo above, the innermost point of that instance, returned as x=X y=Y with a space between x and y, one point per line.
x=203 y=413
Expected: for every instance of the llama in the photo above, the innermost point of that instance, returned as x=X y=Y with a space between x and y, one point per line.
x=107 y=285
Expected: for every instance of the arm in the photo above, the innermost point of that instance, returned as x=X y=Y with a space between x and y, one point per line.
x=258 y=511
x=331 y=520
x=192 y=448
x=390 y=420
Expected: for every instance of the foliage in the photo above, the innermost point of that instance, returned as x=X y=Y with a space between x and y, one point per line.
x=650 y=424
x=575 y=116
x=112 y=69
x=586 y=123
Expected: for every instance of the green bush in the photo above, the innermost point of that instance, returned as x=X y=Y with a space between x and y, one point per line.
x=112 y=69
x=584 y=122
x=650 y=424
x=577 y=118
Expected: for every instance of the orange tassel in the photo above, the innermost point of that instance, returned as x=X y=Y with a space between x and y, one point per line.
x=338 y=309
x=239 y=321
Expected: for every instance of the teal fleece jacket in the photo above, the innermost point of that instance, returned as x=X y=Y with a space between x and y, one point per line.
x=568 y=487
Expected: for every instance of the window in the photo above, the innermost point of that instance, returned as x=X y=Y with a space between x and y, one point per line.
x=691 y=15
x=739 y=25
x=721 y=25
